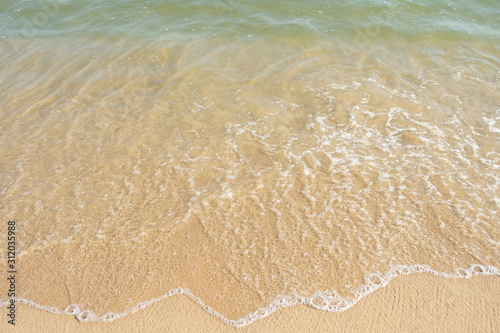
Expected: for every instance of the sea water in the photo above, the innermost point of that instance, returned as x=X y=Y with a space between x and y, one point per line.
x=248 y=154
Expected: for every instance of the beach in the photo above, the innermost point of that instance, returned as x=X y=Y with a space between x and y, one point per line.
x=414 y=303
x=243 y=158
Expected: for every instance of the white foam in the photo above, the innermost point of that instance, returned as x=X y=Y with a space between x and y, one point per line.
x=327 y=300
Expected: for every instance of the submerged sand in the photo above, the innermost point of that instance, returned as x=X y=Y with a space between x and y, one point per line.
x=244 y=175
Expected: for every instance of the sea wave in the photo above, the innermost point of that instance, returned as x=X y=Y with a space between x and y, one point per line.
x=322 y=300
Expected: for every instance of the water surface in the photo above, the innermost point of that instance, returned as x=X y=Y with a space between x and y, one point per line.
x=249 y=154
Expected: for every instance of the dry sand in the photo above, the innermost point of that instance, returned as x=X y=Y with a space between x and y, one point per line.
x=414 y=303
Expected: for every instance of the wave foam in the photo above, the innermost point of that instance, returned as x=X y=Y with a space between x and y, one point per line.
x=321 y=300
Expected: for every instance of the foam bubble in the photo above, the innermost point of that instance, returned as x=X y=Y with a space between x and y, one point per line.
x=323 y=300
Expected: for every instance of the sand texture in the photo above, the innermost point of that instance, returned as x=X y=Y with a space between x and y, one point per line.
x=414 y=303
x=243 y=172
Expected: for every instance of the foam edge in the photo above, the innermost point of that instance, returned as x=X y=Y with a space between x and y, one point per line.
x=321 y=300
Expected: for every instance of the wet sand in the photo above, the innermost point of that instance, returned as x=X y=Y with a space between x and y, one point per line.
x=414 y=303
x=244 y=180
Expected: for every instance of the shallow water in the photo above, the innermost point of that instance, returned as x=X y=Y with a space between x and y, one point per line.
x=247 y=153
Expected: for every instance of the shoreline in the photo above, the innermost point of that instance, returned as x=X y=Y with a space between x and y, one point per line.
x=415 y=302
x=334 y=303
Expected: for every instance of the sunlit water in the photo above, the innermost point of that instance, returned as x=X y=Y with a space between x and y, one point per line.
x=249 y=154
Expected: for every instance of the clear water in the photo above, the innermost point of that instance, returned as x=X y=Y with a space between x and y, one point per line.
x=251 y=155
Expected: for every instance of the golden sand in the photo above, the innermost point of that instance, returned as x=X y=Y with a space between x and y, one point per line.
x=415 y=303
x=243 y=174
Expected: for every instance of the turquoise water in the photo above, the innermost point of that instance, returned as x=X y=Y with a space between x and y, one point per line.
x=383 y=20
